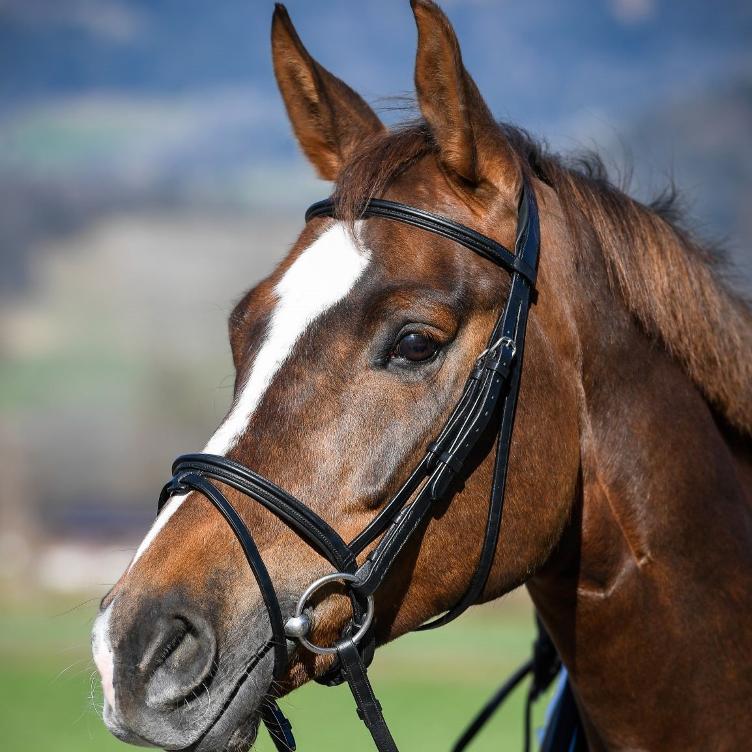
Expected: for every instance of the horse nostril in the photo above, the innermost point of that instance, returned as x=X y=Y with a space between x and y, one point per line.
x=179 y=660
x=169 y=637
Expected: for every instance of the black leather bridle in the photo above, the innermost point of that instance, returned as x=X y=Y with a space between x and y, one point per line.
x=489 y=398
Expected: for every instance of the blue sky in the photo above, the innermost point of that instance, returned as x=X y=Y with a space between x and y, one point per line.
x=178 y=96
x=556 y=67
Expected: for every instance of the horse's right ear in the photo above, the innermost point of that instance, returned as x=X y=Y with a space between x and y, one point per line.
x=471 y=147
x=328 y=117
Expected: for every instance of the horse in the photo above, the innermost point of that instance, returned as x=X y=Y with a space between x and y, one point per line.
x=628 y=514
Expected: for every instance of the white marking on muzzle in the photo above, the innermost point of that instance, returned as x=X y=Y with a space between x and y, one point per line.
x=102 y=651
x=318 y=279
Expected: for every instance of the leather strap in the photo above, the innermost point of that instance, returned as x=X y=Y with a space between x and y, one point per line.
x=514 y=326
x=543 y=667
x=296 y=515
x=386 y=516
x=255 y=562
x=279 y=728
x=369 y=708
x=438 y=225
x=492 y=706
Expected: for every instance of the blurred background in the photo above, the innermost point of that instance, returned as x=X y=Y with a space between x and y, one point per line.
x=148 y=177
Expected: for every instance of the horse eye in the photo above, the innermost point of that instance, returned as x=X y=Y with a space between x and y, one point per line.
x=416 y=347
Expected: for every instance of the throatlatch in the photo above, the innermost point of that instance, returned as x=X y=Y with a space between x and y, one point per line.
x=489 y=398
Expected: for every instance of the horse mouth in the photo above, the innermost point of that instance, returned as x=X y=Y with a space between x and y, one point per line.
x=234 y=728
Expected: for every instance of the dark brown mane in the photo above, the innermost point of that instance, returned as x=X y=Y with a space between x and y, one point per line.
x=670 y=282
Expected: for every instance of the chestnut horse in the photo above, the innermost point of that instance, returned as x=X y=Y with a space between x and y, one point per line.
x=629 y=506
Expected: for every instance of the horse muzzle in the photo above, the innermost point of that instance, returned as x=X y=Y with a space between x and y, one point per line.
x=165 y=682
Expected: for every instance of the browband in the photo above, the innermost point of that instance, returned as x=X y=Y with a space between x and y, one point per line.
x=438 y=225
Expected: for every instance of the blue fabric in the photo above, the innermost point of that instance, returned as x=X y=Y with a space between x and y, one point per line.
x=561 y=685
x=562 y=731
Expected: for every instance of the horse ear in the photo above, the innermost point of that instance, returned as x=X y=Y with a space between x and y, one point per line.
x=471 y=146
x=329 y=119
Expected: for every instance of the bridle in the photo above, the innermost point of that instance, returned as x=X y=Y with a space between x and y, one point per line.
x=490 y=395
x=489 y=398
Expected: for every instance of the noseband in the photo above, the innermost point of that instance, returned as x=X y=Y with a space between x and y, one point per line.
x=489 y=398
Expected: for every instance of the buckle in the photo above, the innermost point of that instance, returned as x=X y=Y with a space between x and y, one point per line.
x=498 y=357
x=507 y=342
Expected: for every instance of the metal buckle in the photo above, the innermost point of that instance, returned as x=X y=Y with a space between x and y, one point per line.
x=508 y=341
x=299 y=624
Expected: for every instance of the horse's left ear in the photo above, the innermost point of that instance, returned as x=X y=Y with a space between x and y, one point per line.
x=471 y=145
x=328 y=117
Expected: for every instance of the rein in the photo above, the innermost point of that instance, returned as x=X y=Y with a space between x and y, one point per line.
x=489 y=398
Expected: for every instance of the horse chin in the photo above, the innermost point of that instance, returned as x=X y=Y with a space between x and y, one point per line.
x=231 y=732
x=119 y=731
x=244 y=736
x=238 y=738
x=236 y=727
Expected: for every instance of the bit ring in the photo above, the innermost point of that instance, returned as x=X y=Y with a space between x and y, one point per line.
x=299 y=617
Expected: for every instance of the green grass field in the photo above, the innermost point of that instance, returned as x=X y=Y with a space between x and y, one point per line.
x=430 y=684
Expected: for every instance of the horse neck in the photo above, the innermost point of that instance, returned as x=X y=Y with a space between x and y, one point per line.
x=648 y=596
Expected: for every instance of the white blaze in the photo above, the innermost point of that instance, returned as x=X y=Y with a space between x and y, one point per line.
x=318 y=279
x=102 y=650
x=162 y=519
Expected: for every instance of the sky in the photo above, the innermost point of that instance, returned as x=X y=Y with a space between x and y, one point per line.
x=566 y=70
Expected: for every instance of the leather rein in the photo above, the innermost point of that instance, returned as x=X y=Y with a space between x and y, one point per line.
x=489 y=398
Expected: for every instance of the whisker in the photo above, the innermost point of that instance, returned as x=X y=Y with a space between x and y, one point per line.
x=75 y=608
x=67 y=668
